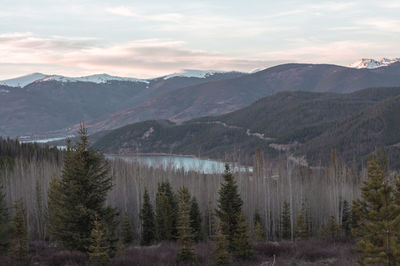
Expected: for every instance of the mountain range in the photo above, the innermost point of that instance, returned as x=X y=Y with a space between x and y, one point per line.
x=292 y=107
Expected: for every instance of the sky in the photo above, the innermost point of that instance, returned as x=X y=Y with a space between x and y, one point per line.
x=146 y=39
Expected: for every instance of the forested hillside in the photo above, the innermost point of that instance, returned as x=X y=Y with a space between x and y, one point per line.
x=304 y=123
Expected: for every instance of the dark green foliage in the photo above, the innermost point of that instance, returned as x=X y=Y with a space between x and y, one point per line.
x=242 y=247
x=166 y=212
x=286 y=231
x=79 y=196
x=3 y=221
x=221 y=253
x=259 y=231
x=163 y=217
x=148 y=233
x=346 y=218
x=99 y=249
x=11 y=149
x=195 y=220
x=378 y=224
x=19 y=233
x=301 y=231
x=332 y=229
x=229 y=205
x=185 y=237
x=127 y=233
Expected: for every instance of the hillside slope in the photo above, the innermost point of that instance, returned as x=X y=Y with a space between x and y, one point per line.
x=48 y=105
x=219 y=97
x=301 y=123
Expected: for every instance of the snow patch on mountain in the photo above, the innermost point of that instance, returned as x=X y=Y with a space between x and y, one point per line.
x=22 y=81
x=191 y=73
x=370 y=63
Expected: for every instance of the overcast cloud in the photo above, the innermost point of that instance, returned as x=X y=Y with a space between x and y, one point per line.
x=151 y=38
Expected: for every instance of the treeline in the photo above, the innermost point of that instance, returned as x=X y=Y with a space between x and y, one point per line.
x=11 y=149
x=100 y=207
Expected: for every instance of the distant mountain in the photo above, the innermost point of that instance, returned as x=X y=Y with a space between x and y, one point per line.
x=22 y=81
x=305 y=124
x=191 y=73
x=373 y=63
x=37 y=104
x=102 y=78
x=227 y=95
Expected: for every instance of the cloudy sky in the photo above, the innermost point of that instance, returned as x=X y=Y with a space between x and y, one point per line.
x=151 y=38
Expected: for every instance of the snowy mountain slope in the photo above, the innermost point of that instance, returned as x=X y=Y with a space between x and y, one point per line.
x=23 y=81
x=100 y=78
x=97 y=78
x=192 y=73
x=373 y=63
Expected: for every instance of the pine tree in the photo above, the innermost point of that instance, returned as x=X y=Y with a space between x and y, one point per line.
x=346 y=218
x=127 y=233
x=301 y=228
x=242 y=248
x=3 y=221
x=79 y=196
x=98 y=250
x=167 y=190
x=285 y=221
x=195 y=220
x=19 y=233
x=186 y=251
x=377 y=228
x=332 y=228
x=229 y=205
x=148 y=235
x=163 y=217
x=221 y=252
x=259 y=232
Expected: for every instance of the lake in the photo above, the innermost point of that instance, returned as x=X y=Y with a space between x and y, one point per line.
x=188 y=163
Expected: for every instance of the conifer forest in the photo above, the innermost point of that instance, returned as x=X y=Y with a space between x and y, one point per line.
x=82 y=208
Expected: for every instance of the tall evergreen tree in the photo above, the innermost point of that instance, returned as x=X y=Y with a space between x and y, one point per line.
x=378 y=227
x=3 y=221
x=164 y=218
x=185 y=236
x=301 y=228
x=221 y=253
x=99 y=248
x=259 y=232
x=285 y=221
x=346 y=218
x=19 y=233
x=79 y=196
x=127 y=233
x=148 y=235
x=229 y=205
x=173 y=202
x=242 y=247
x=332 y=228
x=195 y=219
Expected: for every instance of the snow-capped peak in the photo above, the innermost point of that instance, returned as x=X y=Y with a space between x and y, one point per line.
x=23 y=81
x=38 y=77
x=191 y=73
x=97 y=78
x=373 y=63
